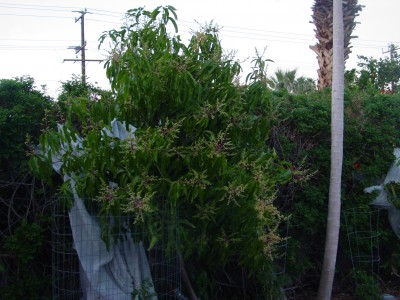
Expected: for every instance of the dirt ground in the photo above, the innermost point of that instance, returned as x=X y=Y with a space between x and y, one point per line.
x=391 y=288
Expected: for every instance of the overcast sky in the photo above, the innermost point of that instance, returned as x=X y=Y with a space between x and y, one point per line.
x=35 y=34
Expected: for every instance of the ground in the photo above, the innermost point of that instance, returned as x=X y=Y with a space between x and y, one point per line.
x=391 y=287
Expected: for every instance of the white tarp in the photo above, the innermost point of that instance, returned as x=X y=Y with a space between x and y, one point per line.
x=382 y=200
x=105 y=275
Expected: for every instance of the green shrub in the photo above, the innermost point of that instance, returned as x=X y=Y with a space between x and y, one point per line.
x=199 y=152
x=27 y=271
x=366 y=286
x=24 y=263
x=22 y=109
x=302 y=136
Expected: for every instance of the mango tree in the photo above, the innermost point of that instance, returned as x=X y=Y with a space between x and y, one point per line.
x=199 y=153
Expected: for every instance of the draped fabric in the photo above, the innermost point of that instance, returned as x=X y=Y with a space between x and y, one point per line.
x=382 y=200
x=106 y=274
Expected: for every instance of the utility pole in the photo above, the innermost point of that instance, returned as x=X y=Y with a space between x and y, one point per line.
x=81 y=48
x=391 y=49
x=83 y=42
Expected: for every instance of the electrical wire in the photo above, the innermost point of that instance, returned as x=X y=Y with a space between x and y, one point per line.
x=243 y=30
x=35 y=16
x=38 y=40
x=46 y=9
x=236 y=32
x=105 y=16
x=19 y=5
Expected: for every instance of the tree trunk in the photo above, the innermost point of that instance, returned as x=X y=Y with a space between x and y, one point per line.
x=322 y=19
x=333 y=221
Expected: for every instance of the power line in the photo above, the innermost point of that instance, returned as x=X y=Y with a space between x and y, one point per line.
x=112 y=14
x=355 y=43
x=236 y=30
x=102 y=21
x=31 y=47
x=35 y=16
x=19 y=5
x=28 y=47
x=35 y=40
x=266 y=38
x=55 y=7
x=269 y=36
x=30 y=8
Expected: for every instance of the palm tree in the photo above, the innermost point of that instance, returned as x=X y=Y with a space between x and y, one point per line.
x=333 y=222
x=289 y=81
x=282 y=80
x=322 y=18
x=304 y=85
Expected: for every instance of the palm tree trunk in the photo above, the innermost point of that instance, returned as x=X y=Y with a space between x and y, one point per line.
x=333 y=221
x=322 y=19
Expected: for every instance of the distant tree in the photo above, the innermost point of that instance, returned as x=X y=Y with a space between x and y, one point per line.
x=283 y=80
x=287 y=80
x=304 y=85
x=22 y=110
x=323 y=18
x=75 y=93
x=382 y=74
x=75 y=88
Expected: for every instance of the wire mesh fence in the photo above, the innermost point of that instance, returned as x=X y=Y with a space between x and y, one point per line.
x=82 y=269
x=363 y=234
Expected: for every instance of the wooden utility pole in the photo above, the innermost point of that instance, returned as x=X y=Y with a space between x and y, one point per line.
x=81 y=48
x=83 y=42
x=391 y=49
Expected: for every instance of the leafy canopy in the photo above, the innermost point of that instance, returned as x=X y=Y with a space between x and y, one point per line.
x=199 y=149
x=382 y=74
x=22 y=109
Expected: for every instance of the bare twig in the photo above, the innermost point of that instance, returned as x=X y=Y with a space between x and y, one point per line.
x=186 y=279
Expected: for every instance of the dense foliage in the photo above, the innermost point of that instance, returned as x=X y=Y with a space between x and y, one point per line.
x=25 y=201
x=206 y=162
x=302 y=137
x=288 y=80
x=199 y=152
x=22 y=109
x=24 y=273
x=381 y=74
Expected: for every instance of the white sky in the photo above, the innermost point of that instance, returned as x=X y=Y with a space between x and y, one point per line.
x=35 y=34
